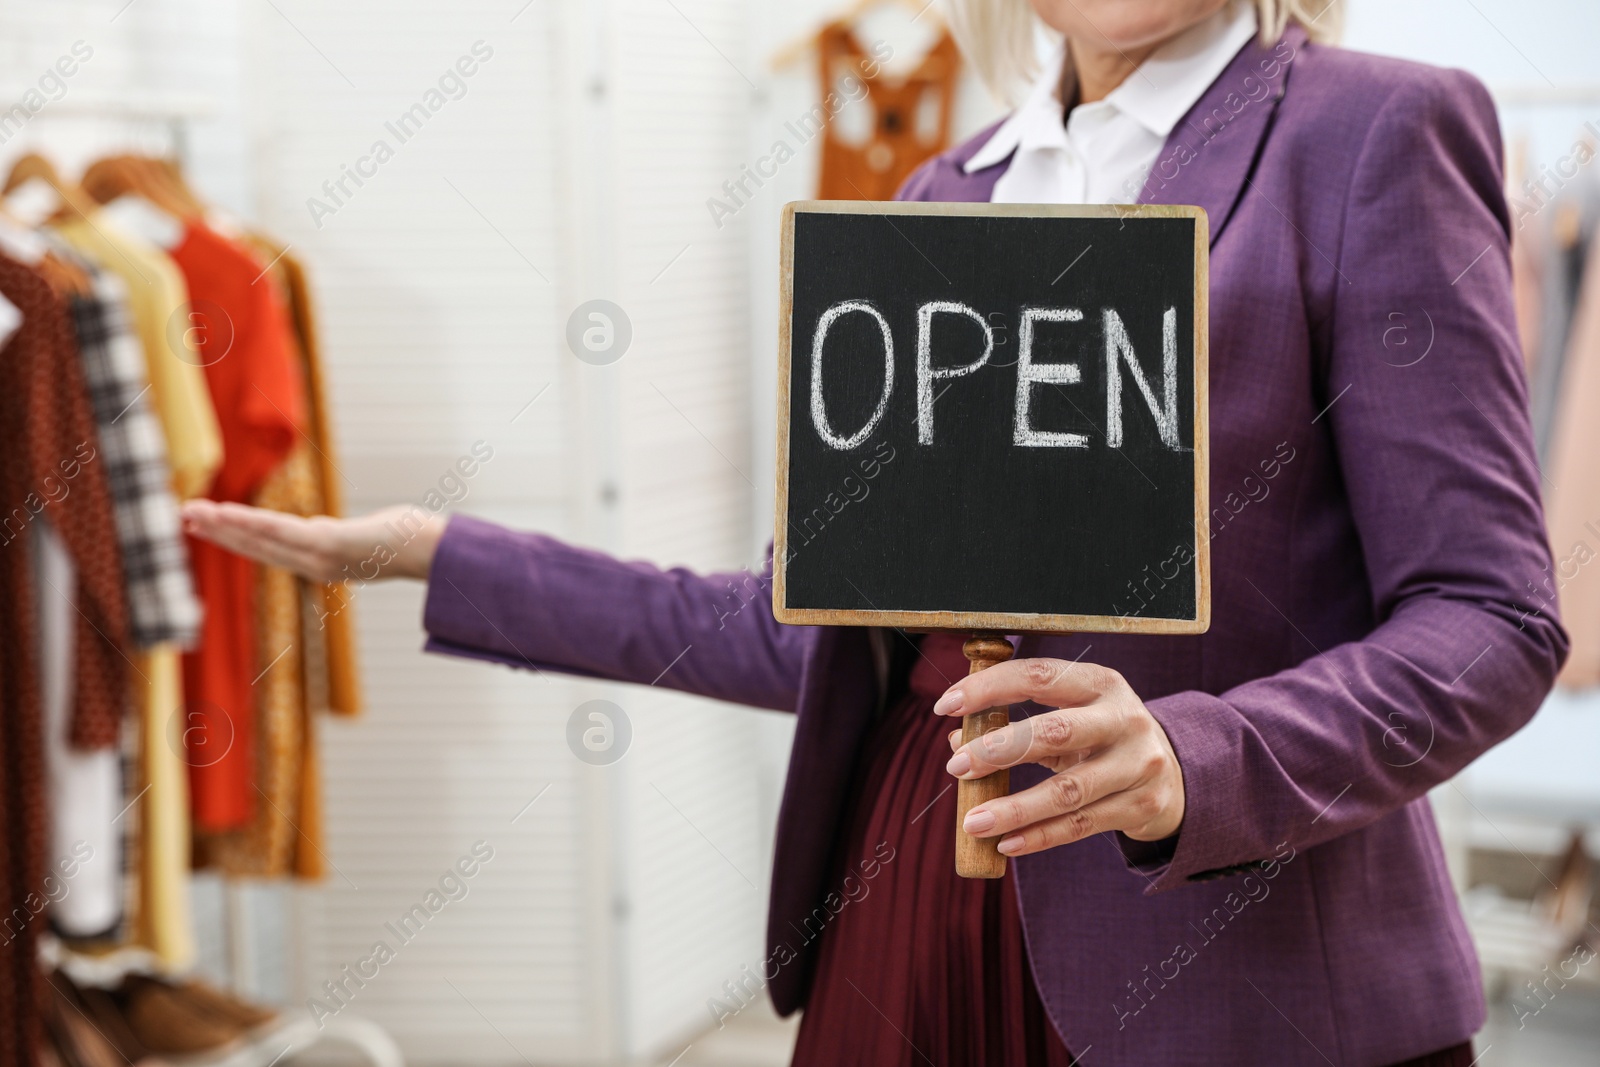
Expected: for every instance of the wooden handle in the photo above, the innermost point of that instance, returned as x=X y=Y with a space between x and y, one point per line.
x=976 y=857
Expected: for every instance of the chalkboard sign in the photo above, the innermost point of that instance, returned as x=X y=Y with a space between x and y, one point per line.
x=993 y=417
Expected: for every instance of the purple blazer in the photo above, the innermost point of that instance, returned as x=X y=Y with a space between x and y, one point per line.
x=1377 y=536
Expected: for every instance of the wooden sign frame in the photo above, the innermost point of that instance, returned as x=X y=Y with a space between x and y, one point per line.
x=1001 y=622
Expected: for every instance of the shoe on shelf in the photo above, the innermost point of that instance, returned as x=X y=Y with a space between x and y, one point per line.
x=77 y=1040
x=103 y=1011
x=225 y=1005
x=167 y=1022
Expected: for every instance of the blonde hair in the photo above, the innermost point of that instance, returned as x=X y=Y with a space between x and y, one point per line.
x=998 y=37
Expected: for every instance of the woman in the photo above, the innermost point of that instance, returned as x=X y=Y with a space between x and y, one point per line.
x=1224 y=854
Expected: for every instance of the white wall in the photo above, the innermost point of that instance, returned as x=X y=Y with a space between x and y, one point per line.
x=1537 y=57
x=441 y=298
x=145 y=62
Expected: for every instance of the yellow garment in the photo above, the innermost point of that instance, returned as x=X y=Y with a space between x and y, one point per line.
x=159 y=302
x=162 y=922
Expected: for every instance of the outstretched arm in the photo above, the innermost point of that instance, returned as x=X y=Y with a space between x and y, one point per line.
x=532 y=601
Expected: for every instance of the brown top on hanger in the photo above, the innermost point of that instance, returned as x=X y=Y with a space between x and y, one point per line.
x=875 y=168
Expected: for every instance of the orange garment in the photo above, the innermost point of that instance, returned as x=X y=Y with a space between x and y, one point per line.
x=874 y=169
x=242 y=333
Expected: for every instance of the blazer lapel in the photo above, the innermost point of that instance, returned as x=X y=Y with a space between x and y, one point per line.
x=1210 y=155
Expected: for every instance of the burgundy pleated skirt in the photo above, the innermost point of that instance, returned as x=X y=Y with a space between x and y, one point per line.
x=921 y=967
x=926 y=967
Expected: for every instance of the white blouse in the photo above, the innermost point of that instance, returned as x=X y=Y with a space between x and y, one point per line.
x=1104 y=151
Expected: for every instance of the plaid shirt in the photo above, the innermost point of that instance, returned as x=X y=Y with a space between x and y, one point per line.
x=162 y=605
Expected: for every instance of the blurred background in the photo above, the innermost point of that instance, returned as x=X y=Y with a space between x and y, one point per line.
x=622 y=151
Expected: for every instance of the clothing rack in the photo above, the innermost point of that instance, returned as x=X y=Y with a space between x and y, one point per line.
x=171 y=117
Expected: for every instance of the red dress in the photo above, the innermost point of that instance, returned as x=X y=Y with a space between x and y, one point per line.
x=922 y=968
x=241 y=331
x=925 y=967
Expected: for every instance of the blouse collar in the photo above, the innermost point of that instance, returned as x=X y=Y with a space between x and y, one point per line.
x=1156 y=95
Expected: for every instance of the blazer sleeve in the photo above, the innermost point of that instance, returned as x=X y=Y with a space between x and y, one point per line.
x=531 y=601
x=1467 y=644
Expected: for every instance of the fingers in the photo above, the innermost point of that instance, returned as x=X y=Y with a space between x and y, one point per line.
x=1056 y=682
x=1115 y=767
x=1063 y=793
x=218 y=526
x=1039 y=738
x=291 y=531
x=270 y=537
x=1117 y=812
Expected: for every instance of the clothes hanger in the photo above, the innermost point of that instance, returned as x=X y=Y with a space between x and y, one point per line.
x=142 y=198
x=63 y=276
x=34 y=166
x=165 y=171
x=799 y=47
x=19 y=240
x=127 y=175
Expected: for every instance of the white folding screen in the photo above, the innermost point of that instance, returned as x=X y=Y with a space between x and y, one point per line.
x=571 y=165
x=438 y=284
x=696 y=877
